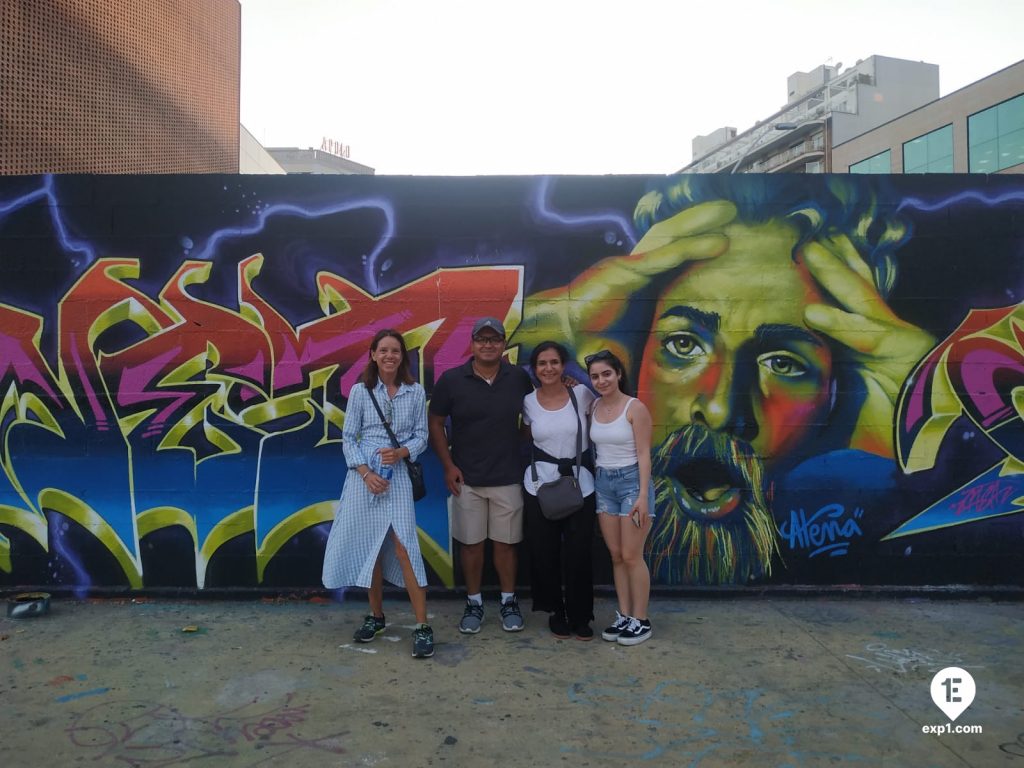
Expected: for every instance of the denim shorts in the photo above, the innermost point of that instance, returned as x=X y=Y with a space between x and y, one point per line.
x=617 y=490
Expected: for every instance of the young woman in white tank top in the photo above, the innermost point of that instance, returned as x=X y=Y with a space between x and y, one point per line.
x=618 y=447
x=620 y=431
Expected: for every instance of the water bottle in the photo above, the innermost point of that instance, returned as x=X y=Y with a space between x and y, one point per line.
x=386 y=471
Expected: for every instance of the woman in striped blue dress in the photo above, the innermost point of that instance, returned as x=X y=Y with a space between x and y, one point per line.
x=374 y=532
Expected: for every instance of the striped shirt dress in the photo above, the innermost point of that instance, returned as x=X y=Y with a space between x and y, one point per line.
x=362 y=521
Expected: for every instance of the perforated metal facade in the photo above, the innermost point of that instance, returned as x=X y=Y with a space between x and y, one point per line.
x=133 y=86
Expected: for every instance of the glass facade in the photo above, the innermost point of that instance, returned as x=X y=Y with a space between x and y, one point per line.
x=880 y=163
x=995 y=137
x=931 y=153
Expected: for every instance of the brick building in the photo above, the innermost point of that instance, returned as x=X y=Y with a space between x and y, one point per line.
x=137 y=86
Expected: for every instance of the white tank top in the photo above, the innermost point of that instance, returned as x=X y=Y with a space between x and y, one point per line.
x=614 y=441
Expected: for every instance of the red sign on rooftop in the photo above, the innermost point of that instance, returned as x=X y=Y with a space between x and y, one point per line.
x=335 y=147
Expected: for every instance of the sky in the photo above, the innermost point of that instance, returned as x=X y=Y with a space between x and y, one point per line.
x=454 y=87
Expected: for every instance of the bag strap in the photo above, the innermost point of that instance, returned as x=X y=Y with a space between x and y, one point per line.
x=385 y=423
x=579 y=441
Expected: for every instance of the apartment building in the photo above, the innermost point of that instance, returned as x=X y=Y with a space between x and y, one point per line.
x=825 y=107
x=976 y=129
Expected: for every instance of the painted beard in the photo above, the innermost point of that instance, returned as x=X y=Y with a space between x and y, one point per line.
x=713 y=523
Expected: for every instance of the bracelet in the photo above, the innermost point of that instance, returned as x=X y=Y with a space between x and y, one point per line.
x=365 y=474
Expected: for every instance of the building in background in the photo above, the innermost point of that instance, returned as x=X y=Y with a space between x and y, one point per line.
x=295 y=160
x=137 y=86
x=825 y=107
x=253 y=158
x=977 y=129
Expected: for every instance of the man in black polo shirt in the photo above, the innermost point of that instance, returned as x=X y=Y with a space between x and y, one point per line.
x=484 y=398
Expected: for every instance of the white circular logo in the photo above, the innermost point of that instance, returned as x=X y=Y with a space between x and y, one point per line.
x=953 y=691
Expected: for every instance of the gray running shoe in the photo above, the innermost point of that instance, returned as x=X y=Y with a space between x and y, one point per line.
x=422 y=642
x=372 y=626
x=611 y=634
x=511 y=618
x=472 y=618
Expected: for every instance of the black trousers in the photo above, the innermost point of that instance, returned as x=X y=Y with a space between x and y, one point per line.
x=561 y=554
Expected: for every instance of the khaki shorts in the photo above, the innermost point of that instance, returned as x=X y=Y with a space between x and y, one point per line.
x=492 y=512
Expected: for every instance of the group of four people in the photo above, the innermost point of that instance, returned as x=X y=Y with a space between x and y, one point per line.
x=487 y=405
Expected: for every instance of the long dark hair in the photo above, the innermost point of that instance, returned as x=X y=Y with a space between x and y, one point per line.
x=544 y=346
x=606 y=356
x=403 y=375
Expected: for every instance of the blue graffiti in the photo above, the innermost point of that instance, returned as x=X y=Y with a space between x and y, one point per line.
x=690 y=724
x=209 y=248
x=543 y=210
x=48 y=192
x=989 y=200
x=826 y=530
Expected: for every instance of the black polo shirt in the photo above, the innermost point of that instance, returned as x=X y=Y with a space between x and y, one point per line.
x=485 y=421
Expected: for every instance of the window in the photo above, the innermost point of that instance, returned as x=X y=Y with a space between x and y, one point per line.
x=995 y=137
x=931 y=153
x=880 y=163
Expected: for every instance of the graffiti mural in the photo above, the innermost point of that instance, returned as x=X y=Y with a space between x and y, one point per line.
x=834 y=364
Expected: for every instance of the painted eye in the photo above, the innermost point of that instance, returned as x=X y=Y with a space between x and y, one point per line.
x=783 y=365
x=683 y=345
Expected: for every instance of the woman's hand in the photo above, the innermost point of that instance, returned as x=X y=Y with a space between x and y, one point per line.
x=640 y=514
x=390 y=456
x=375 y=483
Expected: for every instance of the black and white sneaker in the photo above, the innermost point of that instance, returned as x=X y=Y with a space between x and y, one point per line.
x=635 y=633
x=611 y=633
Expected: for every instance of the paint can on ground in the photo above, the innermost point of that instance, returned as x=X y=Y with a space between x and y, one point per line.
x=28 y=604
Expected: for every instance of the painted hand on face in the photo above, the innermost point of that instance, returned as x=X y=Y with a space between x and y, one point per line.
x=583 y=312
x=884 y=348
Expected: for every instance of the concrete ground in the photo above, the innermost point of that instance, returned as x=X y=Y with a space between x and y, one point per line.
x=750 y=681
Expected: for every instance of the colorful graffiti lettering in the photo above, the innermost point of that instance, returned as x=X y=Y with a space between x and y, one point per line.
x=977 y=372
x=983 y=498
x=176 y=354
x=198 y=396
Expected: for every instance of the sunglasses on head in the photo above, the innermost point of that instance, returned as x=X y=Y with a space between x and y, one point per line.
x=604 y=354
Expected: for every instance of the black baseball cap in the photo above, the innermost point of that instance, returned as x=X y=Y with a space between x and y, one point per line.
x=491 y=323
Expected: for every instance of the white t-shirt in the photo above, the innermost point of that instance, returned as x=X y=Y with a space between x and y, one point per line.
x=554 y=432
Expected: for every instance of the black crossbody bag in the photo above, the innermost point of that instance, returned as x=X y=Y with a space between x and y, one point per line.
x=419 y=485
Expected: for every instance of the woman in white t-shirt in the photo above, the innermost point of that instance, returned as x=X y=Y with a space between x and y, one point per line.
x=562 y=546
x=620 y=430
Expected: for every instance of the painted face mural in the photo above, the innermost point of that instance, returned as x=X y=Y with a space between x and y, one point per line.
x=747 y=350
x=832 y=364
x=731 y=361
